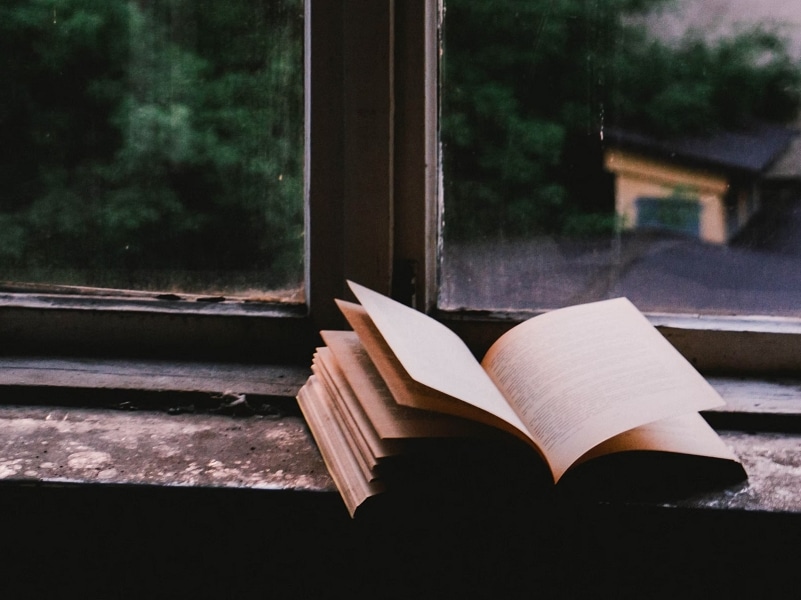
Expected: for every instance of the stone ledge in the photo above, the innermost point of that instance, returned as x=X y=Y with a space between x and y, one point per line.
x=57 y=445
x=80 y=445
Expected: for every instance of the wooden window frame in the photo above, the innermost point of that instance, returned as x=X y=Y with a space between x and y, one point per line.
x=373 y=212
x=351 y=121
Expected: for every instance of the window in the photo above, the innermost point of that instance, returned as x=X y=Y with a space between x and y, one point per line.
x=153 y=146
x=646 y=149
x=352 y=151
x=373 y=216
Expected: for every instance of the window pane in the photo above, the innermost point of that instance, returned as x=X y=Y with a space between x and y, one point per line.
x=152 y=144
x=640 y=148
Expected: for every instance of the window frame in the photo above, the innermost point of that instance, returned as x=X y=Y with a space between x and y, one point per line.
x=751 y=345
x=350 y=110
x=373 y=198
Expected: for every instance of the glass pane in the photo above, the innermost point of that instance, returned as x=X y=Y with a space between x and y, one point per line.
x=640 y=148
x=152 y=144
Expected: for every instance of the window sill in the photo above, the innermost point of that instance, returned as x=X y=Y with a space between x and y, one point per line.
x=756 y=346
x=47 y=445
x=45 y=440
x=155 y=423
x=154 y=327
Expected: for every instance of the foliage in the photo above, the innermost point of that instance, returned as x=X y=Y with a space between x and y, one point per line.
x=529 y=86
x=696 y=87
x=146 y=136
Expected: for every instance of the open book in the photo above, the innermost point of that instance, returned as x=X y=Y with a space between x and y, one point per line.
x=575 y=384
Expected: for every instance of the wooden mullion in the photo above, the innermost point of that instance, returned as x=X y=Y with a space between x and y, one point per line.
x=368 y=141
x=416 y=156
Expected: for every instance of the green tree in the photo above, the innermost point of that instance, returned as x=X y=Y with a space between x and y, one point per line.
x=152 y=136
x=529 y=86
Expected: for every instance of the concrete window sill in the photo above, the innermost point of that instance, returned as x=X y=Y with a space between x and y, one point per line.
x=163 y=443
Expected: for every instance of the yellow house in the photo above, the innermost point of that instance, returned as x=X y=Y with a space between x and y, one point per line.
x=705 y=187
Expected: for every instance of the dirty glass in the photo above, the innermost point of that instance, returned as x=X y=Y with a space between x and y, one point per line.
x=640 y=148
x=152 y=145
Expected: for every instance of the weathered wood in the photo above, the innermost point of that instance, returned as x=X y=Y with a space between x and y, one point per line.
x=747 y=346
x=780 y=396
x=756 y=396
x=216 y=378
x=416 y=210
x=150 y=329
x=368 y=144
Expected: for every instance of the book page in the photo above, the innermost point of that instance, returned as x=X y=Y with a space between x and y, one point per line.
x=339 y=388
x=390 y=420
x=580 y=375
x=434 y=356
x=353 y=436
x=685 y=434
x=342 y=464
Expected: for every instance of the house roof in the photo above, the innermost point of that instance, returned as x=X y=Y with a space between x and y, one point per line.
x=788 y=165
x=751 y=150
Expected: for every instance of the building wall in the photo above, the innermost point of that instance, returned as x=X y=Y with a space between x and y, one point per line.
x=637 y=178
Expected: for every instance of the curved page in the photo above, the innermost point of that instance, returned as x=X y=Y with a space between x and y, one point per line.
x=435 y=356
x=685 y=434
x=580 y=375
